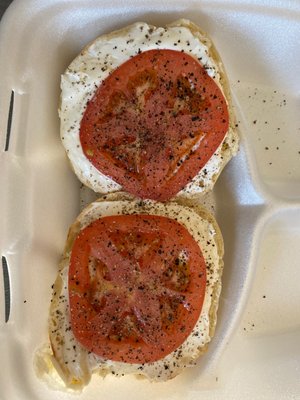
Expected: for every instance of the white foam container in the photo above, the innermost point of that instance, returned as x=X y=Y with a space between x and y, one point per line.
x=256 y=350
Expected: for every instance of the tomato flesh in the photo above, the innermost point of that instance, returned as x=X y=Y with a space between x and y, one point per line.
x=136 y=287
x=154 y=122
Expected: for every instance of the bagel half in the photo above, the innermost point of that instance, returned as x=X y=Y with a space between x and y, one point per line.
x=106 y=53
x=74 y=364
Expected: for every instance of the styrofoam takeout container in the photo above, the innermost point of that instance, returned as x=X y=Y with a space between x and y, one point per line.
x=256 y=350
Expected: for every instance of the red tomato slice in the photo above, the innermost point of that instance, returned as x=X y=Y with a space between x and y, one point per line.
x=136 y=287
x=154 y=123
